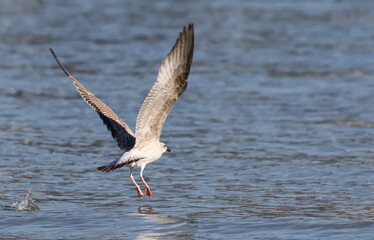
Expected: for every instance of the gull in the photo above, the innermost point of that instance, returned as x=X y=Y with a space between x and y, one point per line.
x=144 y=146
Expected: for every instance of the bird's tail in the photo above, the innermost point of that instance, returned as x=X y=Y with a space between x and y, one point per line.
x=118 y=164
x=110 y=167
x=106 y=168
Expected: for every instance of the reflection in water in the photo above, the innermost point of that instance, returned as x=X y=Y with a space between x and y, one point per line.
x=146 y=210
x=161 y=226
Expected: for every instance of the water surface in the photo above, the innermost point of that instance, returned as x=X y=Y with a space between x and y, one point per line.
x=272 y=139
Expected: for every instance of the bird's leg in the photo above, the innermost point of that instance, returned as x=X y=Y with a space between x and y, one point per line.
x=147 y=190
x=140 y=193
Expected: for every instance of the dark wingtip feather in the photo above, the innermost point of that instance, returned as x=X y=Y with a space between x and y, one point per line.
x=59 y=63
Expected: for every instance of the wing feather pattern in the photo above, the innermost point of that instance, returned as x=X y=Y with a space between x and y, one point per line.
x=170 y=84
x=121 y=132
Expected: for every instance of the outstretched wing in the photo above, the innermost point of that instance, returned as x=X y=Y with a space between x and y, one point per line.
x=119 y=129
x=170 y=84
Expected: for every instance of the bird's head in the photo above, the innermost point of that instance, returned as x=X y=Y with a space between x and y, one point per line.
x=166 y=149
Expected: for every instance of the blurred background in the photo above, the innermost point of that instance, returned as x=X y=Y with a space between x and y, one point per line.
x=273 y=138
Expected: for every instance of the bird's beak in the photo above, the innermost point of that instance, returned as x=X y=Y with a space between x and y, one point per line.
x=168 y=149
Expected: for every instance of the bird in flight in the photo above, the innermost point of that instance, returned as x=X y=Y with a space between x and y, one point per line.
x=144 y=146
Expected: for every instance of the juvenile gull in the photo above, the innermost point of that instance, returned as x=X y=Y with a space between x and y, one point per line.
x=144 y=146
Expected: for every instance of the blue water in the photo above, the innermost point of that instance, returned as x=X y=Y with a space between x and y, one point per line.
x=273 y=138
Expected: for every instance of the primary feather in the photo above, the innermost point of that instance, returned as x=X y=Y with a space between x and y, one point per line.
x=170 y=84
x=121 y=132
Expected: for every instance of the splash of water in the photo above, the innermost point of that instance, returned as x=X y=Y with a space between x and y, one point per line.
x=26 y=204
